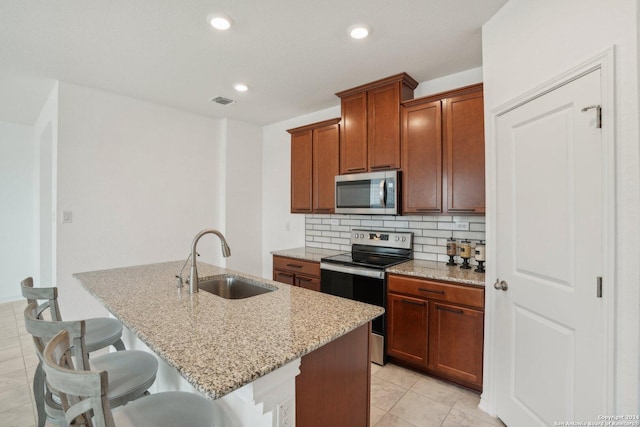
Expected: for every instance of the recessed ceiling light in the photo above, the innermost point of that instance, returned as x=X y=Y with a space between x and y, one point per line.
x=220 y=22
x=359 y=31
x=241 y=87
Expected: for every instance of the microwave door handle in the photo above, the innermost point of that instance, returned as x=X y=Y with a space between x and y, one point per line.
x=383 y=187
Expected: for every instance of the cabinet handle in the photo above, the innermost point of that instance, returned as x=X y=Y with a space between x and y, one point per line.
x=303 y=279
x=294 y=266
x=285 y=274
x=356 y=169
x=462 y=210
x=406 y=301
x=428 y=210
x=323 y=210
x=452 y=310
x=381 y=167
x=432 y=291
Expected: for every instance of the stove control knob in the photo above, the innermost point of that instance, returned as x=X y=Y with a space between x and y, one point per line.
x=397 y=238
x=362 y=236
x=404 y=239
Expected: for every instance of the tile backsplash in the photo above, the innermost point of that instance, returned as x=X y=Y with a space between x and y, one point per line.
x=430 y=233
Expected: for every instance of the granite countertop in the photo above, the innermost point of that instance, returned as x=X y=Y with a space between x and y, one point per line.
x=438 y=271
x=418 y=268
x=307 y=253
x=216 y=344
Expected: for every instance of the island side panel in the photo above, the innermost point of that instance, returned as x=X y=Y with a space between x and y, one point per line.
x=334 y=384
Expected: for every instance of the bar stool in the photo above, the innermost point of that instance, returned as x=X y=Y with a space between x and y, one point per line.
x=101 y=332
x=84 y=396
x=132 y=372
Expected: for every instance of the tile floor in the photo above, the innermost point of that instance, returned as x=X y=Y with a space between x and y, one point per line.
x=399 y=397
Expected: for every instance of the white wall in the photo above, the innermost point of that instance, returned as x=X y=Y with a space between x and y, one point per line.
x=452 y=81
x=17 y=207
x=140 y=179
x=280 y=228
x=243 y=196
x=46 y=142
x=529 y=42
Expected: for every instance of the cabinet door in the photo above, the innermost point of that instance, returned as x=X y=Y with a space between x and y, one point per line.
x=407 y=322
x=464 y=145
x=383 y=115
x=312 y=283
x=283 y=277
x=353 y=134
x=301 y=167
x=421 y=144
x=326 y=156
x=455 y=343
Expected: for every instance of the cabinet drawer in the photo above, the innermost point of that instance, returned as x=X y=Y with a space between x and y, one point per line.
x=295 y=265
x=312 y=283
x=459 y=294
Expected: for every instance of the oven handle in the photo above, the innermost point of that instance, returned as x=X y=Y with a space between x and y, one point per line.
x=358 y=271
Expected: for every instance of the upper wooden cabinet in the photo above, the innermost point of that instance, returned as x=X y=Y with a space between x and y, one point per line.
x=314 y=165
x=443 y=153
x=464 y=152
x=422 y=157
x=370 y=131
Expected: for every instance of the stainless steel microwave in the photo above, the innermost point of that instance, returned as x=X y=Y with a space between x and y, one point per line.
x=373 y=193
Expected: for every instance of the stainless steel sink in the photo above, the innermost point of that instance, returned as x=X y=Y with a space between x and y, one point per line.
x=233 y=287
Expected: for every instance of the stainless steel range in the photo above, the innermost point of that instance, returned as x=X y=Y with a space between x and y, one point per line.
x=360 y=274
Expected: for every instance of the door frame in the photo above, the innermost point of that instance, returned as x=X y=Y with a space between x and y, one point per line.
x=605 y=62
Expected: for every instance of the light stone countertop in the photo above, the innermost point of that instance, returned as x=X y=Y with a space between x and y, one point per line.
x=216 y=344
x=439 y=271
x=307 y=253
x=417 y=268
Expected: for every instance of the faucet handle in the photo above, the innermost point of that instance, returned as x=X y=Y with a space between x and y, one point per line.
x=179 y=281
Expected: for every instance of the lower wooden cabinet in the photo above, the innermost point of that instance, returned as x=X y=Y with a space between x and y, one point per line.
x=437 y=327
x=408 y=331
x=297 y=272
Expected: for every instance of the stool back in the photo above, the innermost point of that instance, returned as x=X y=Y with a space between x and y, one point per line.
x=49 y=295
x=83 y=393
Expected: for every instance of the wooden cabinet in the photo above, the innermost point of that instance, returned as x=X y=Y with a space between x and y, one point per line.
x=464 y=152
x=370 y=132
x=407 y=328
x=443 y=153
x=422 y=157
x=314 y=165
x=437 y=327
x=296 y=272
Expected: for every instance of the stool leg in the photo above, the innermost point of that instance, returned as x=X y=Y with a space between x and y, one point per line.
x=38 y=394
x=119 y=345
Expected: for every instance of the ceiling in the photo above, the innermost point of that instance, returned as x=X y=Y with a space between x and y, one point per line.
x=294 y=55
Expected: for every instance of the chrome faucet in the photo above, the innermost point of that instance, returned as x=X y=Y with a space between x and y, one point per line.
x=226 y=252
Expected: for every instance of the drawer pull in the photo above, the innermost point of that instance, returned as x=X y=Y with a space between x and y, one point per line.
x=431 y=290
x=294 y=265
x=303 y=279
x=406 y=301
x=452 y=310
x=285 y=274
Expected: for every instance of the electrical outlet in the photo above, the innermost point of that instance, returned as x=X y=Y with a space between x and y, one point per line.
x=287 y=226
x=461 y=226
x=67 y=217
x=285 y=414
x=335 y=221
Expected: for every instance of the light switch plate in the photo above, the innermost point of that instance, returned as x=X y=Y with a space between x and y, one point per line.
x=458 y=226
x=67 y=217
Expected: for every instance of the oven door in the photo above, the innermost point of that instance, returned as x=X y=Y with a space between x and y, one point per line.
x=359 y=284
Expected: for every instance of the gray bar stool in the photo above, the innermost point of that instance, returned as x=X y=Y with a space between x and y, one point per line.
x=101 y=332
x=84 y=396
x=131 y=372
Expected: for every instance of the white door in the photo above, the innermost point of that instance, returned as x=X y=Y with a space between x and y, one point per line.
x=550 y=333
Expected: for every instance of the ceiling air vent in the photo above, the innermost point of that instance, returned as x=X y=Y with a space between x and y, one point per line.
x=222 y=100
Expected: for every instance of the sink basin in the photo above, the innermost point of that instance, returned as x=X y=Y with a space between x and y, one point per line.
x=233 y=287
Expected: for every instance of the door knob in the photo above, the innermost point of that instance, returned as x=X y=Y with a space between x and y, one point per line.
x=501 y=285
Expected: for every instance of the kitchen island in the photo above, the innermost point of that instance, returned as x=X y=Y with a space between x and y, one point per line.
x=248 y=350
